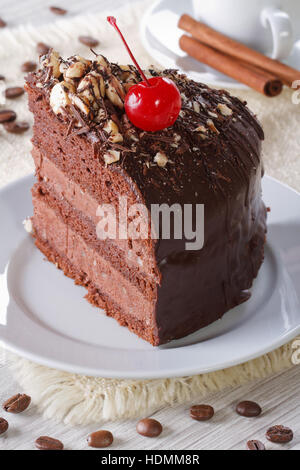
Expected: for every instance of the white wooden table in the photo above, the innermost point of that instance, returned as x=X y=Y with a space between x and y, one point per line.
x=279 y=396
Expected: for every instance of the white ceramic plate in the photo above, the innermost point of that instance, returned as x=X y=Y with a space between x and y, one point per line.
x=160 y=38
x=44 y=317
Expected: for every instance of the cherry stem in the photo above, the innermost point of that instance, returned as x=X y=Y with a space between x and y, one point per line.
x=112 y=20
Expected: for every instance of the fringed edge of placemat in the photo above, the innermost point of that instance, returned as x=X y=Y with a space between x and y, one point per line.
x=80 y=400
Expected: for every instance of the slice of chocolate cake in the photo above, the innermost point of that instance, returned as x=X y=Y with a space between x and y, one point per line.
x=88 y=154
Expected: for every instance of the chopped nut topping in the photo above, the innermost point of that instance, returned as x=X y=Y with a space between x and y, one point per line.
x=52 y=59
x=129 y=75
x=92 y=88
x=103 y=62
x=200 y=129
x=125 y=68
x=79 y=103
x=131 y=133
x=115 y=92
x=112 y=129
x=111 y=157
x=63 y=67
x=161 y=159
x=100 y=115
x=177 y=139
x=59 y=97
x=224 y=109
x=75 y=70
x=212 y=127
x=128 y=85
x=196 y=106
x=225 y=98
x=78 y=58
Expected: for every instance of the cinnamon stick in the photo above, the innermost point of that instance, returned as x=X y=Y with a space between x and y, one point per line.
x=253 y=77
x=224 y=44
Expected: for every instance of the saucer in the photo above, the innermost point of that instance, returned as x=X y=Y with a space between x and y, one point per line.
x=160 y=38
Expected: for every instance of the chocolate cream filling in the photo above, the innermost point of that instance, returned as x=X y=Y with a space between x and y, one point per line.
x=54 y=181
x=50 y=228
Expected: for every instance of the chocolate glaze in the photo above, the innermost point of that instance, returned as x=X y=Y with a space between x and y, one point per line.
x=219 y=166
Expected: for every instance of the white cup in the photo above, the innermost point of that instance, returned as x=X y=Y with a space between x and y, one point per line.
x=293 y=10
x=264 y=25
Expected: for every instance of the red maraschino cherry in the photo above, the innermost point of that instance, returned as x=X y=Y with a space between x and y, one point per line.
x=153 y=104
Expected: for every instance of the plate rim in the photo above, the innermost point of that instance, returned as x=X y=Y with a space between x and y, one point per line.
x=81 y=370
x=154 y=374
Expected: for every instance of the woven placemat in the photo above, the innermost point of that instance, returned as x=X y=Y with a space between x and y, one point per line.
x=77 y=399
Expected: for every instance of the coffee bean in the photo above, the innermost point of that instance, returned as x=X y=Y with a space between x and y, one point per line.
x=16 y=127
x=48 y=443
x=14 y=92
x=249 y=409
x=42 y=48
x=28 y=66
x=2 y=23
x=88 y=41
x=255 y=445
x=7 y=115
x=3 y=425
x=58 y=11
x=149 y=427
x=100 y=439
x=279 y=434
x=202 y=412
x=17 y=403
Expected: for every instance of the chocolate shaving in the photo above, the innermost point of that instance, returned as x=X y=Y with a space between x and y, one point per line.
x=82 y=130
x=161 y=138
x=78 y=116
x=121 y=147
x=70 y=126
